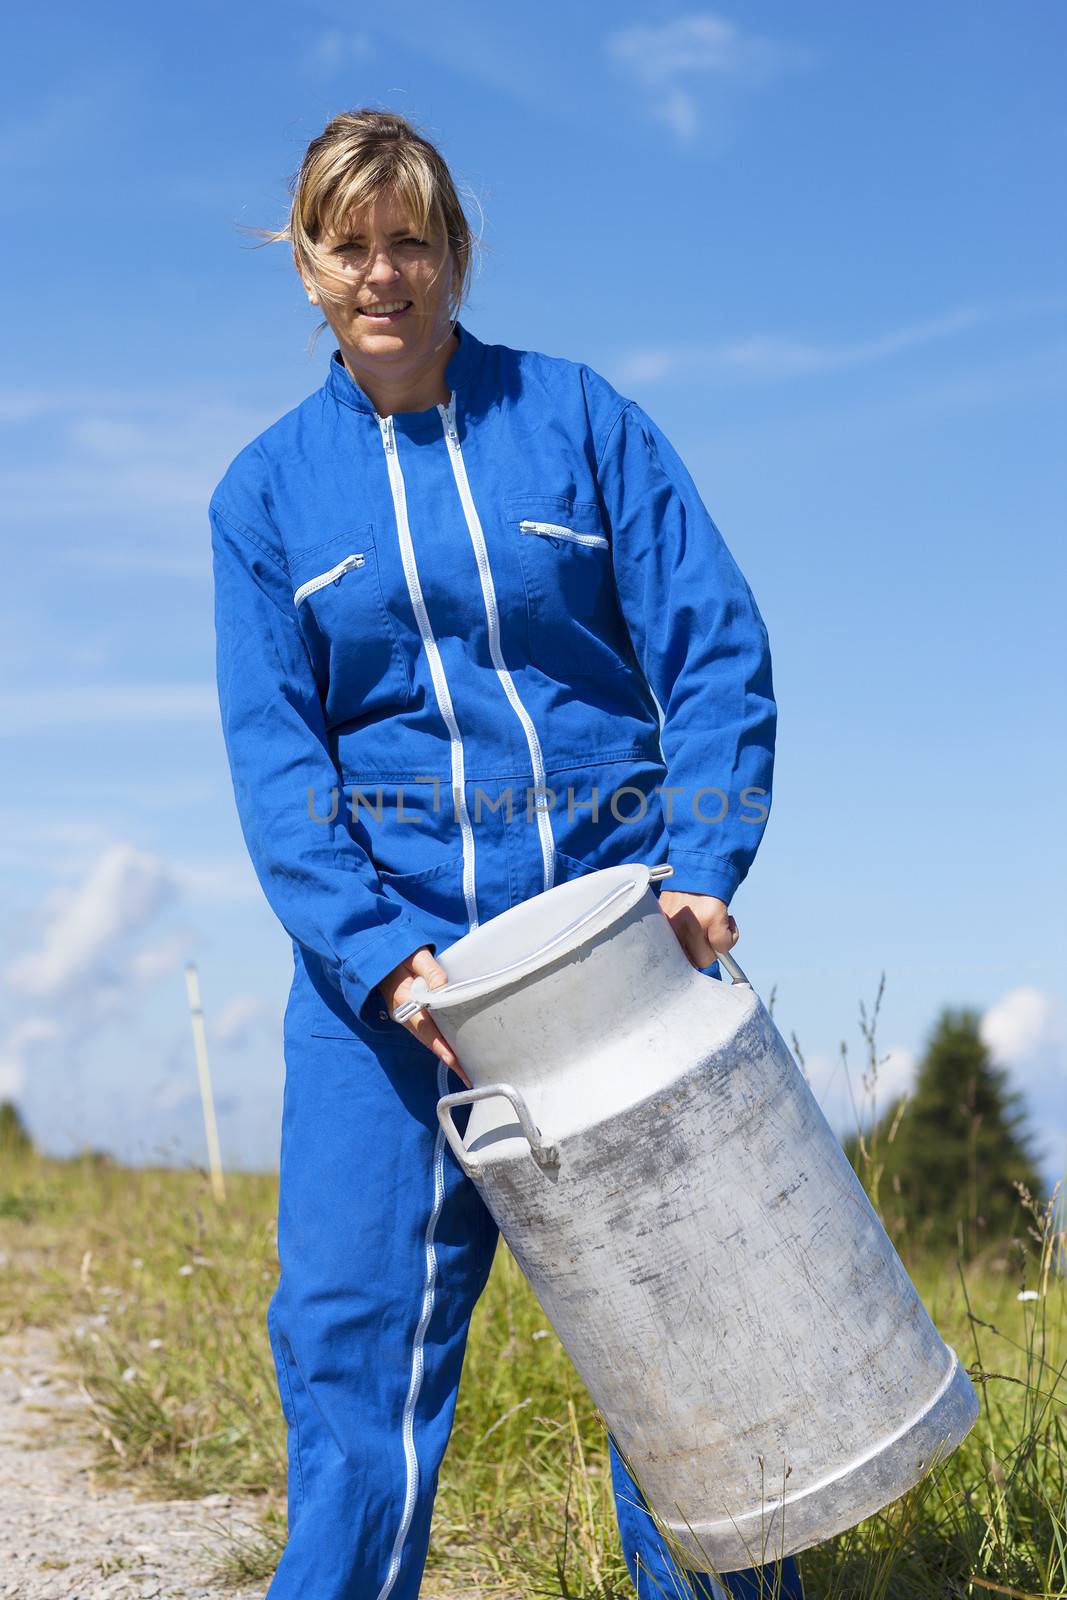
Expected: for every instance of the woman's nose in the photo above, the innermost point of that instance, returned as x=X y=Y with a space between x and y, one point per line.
x=381 y=267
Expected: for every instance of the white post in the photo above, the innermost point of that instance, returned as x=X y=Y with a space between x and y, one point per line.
x=196 y=1011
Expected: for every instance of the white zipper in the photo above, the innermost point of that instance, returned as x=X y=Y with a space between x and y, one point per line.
x=555 y=531
x=334 y=574
x=437 y=671
x=407 y=1428
x=474 y=528
x=444 y=703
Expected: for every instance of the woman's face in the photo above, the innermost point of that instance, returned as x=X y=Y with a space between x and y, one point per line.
x=393 y=315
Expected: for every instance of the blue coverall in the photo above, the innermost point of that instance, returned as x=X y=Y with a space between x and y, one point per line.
x=445 y=640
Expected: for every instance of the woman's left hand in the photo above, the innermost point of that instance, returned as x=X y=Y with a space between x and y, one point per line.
x=702 y=923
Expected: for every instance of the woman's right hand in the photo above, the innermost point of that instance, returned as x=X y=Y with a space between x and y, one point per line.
x=396 y=988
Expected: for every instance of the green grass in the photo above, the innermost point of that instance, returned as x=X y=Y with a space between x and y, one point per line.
x=160 y=1294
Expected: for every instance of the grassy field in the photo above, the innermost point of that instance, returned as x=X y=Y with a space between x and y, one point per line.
x=161 y=1295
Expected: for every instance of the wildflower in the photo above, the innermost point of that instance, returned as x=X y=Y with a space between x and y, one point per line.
x=185 y=1271
x=129 y=1374
x=1028 y=1294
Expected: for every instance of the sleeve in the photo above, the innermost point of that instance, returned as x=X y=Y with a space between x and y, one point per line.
x=703 y=646
x=320 y=882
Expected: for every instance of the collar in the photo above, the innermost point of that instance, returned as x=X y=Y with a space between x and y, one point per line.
x=461 y=365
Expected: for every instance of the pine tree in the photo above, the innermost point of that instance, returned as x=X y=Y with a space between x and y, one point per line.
x=14 y=1139
x=959 y=1147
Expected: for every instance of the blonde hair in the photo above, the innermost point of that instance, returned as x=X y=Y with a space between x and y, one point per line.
x=358 y=156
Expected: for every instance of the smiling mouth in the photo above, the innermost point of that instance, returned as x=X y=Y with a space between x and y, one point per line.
x=395 y=311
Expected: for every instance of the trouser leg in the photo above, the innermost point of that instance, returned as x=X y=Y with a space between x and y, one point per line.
x=653 y=1572
x=385 y=1246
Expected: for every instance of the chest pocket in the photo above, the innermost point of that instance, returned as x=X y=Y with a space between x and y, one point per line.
x=353 y=641
x=572 y=611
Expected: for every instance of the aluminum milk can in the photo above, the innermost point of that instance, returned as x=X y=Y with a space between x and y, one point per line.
x=687 y=1219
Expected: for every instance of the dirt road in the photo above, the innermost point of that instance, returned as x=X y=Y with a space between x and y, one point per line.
x=63 y=1536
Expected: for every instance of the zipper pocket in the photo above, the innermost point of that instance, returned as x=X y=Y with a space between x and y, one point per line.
x=334 y=575
x=553 y=530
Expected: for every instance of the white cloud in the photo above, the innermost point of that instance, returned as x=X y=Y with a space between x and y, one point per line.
x=896 y=1076
x=701 y=42
x=662 y=56
x=99 y=946
x=786 y=358
x=335 y=48
x=166 y=954
x=772 y=357
x=66 y=841
x=122 y=892
x=101 y=941
x=842 y=1095
x=175 y=1094
x=27 y=405
x=1026 y=1031
x=1023 y=1025
x=778 y=357
x=240 y=1019
x=140 y=463
x=26 y=1037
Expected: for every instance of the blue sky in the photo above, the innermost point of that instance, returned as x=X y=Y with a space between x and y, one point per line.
x=823 y=246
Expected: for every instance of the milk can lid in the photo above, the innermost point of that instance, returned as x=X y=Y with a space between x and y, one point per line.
x=532 y=934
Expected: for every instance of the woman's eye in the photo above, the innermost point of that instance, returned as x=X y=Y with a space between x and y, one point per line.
x=356 y=244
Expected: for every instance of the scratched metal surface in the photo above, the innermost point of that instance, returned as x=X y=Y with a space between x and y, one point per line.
x=731 y=1300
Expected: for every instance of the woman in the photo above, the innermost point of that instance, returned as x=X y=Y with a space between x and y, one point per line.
x=450 y=586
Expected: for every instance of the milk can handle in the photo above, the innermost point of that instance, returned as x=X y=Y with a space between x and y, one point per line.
x=727 y=961
x=546 y=1155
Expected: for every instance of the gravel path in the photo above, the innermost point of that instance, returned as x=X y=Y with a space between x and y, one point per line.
x=63 y=1536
